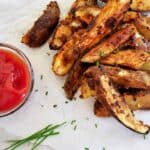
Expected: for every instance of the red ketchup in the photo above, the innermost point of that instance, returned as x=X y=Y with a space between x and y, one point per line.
x=15 y=81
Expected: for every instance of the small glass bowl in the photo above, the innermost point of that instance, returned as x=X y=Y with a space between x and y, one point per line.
x=21 y=55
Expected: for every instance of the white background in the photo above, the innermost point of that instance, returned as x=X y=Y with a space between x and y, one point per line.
x=16 y=17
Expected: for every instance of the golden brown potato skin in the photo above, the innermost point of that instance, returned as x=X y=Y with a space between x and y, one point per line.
x=136 y=101
x=109 y=45
x=128 y=78
x=73 y=80
x=70 y=24
x=134 y=59
x=107 y=94
x=110 y=16
x=140 y=5
x=142 y=24
x=43 y=27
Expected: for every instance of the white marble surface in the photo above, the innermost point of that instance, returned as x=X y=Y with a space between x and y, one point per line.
x=16 y=18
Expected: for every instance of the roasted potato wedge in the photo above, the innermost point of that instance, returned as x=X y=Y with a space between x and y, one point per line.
x=130 y=16
x=134 y=59
x=109 y=45
x=140 y=5
x=107 y=94
x=128 y=78
x=142 y=24
x=73 y=80
x=109 y=18
x=136 y=101
x=69 y=24
x=64 y=59
x=43 y=27
x=87 y=14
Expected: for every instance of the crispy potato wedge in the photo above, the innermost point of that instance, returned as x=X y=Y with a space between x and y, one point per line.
x=69 y=24
x=130 y=16
x=109 y=18
x=63 y=60
x=109 y=45
x=128 y=78
x=43 y=27
x=134 y=59
x=142 y=24
x=87 y=14
x=107 y=94
x=73 y=80
x=140 y=5
x=136 y=101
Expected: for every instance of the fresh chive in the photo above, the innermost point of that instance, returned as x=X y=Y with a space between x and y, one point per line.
x=36 y=90
x=103 y=148
x=46 y=93
x=73 y=122
x=96 y=125
x=55 y=106
x=38 y=137
x=75 y=127
x=66 y=102
x=86 y=148
x=102 y=54
x=144 y=136
x=41 y=77
x=97 y=63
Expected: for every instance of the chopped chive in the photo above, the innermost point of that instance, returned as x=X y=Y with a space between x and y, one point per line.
x=96 y=125
x=36 y=90
x=46 y=93
x=41 y=77
x=97 y=63
x=103 y=148
x=73 y=121
x=144 y=136
x=66 y=102
x=86 y=148
x=102 y=54
x=55 y=106
x=75 y=127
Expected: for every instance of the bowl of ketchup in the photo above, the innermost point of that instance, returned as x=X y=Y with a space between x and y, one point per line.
x=16 y=79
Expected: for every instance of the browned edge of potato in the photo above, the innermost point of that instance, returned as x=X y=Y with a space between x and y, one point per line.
x=43 y=27
x=110 y=44
x=108 y=95
x=133 y=59
x=70 y=24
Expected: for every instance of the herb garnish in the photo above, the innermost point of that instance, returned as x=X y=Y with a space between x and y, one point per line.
x=104 y=148
x=41 y=77
x=55 y=106
x=36 y=90
x=66 y=102
x=96 y=125
x=144 y=136
x=86 y=148
x=75 y=127
x=97 y=63
x=38 y=137
x=102 y=54
x=73 y=121
x=46 y=93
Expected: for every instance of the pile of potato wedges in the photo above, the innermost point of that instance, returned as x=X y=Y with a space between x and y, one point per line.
x=104 y=50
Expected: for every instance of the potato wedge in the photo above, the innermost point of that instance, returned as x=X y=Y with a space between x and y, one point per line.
x=73 y=80
x=68 y=25
x=87 y=14
x=130 y=16
x=142 y=24
x=134 y=59
x=109 y=18
x=140 y=5
x=107 y=94
x=128 y=78
x=64 y=59
x=136 y=101
x=43 y=27
x=109 y=45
